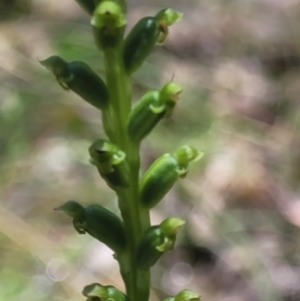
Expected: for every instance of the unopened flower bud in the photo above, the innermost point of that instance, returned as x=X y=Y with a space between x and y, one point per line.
x=139 y=43
x=80 y=78
x=150 y=109
x=158 y=180
x=98 y=222
x=160 y=177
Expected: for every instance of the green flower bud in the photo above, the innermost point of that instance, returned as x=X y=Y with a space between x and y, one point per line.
x=147 y=253
x=163 y=173
x=139 y=43
x=156 y=241
x=150 y=109
x=111 y=163
x=158 y=180
x=98 y=222
x=187 y=295
x=167 y=17
x=87 y=5
x=103 y=293
x=145 y=115
x=108 y=24
x=80 y=78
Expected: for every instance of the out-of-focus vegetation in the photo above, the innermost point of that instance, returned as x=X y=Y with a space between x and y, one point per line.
x=240 y=64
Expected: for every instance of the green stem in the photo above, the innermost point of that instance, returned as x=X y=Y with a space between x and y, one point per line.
x=136 y=219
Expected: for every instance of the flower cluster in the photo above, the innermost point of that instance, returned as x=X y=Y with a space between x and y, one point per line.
x=137 y=245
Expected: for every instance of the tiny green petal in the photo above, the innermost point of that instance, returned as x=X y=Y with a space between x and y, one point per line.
x=187 y=154
x=104 y=293
x=168 y=16
x=171 y=225
x=169 y=95
x=170 y=91
x=57 y=65
x=71 y=208
x=187 y=295
x=95 y=290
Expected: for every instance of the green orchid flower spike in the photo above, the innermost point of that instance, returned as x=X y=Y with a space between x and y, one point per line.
x=137 y=245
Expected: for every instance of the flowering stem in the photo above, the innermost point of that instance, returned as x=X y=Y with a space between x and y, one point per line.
x=136 y=219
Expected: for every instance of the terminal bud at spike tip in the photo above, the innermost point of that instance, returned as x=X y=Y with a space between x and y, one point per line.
x=108 y=23
x=80 y=78
x=111 y=163
x=103 y=293
x=98 y=222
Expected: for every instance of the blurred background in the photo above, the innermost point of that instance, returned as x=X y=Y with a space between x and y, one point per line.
x=238 y=61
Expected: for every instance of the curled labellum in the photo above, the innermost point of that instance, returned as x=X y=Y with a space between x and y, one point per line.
x=147 y=253
x=156 y=241
x=98 y=222
x=167 y=17
x=104 y=293
x=187 y=295
x=139 y=43
x=186 y=155
x=111 y=163
x=80 y=78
